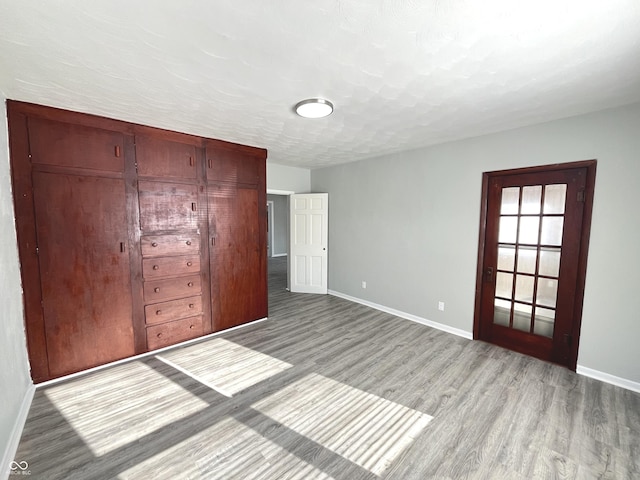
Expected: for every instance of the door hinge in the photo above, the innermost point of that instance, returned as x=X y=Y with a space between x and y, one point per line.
x=568 y=339
x=581 y=195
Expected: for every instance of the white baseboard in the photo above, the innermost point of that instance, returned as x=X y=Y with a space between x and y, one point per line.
x=278 y=255
x=16 y=433
x=406 y=316
x=608 y=378
x=587 y=372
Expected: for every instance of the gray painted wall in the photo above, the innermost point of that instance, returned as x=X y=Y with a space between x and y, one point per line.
x=280 y=223
x=15 y=380
x=290 y=179
x=408 y=225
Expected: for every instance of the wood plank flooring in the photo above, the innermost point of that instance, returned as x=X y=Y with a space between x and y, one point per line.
x=327 y=389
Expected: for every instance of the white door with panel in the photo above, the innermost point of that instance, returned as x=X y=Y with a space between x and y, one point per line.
x=309 y=223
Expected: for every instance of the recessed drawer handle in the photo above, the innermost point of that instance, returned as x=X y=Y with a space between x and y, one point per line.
x=157 y=289
x=191 y=305
x=189 y=264
x=190 y=284
x=188 y=242
x=158 y=312
x=156 y=267
x=154 y=244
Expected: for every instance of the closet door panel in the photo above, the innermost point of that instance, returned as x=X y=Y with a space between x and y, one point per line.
x=231 y=166
x=158 y=157
x=238 y=274
x=66 y=145
x=85 y=271
x=167 y=206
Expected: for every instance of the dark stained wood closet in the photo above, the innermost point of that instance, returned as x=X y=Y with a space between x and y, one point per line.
x=131 y=238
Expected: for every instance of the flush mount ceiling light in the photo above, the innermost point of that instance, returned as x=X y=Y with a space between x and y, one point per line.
x=314 y=108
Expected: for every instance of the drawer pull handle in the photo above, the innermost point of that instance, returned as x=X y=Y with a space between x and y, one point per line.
x=157 y=289
x=156 y=267
x=158 y=312
x=154 y=244
x=190 y=284
x=191 y=305
x=159 y=335
x=189 y=264
x=191 y=327
x=188 y=242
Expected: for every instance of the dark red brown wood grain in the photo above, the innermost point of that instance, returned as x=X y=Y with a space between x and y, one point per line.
x=102 y=184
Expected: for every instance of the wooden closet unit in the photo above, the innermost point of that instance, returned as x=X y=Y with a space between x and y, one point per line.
x=237 y=220
x=131 y=238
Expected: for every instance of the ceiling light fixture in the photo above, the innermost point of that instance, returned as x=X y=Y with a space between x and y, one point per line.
x=314 y=108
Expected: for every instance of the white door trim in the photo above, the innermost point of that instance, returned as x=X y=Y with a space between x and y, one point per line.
x=271 y=227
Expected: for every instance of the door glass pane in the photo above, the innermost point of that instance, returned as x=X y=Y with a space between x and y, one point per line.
x=544 y=321
x=506 y=257
x=501 y=312
x=529 y=230
x=552 y=230
x=522 y=317
x=504 y=284
x=549 y=262
x=531 y=198
x=547 y=292
x=554 y=198
x=508 y=229
x=524 y=288
x=510 y=199
x=527 y=259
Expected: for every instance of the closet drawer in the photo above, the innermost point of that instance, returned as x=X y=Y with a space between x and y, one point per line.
x=168 y=266
x=161 y=245
x=165 y=334
x=172 y=310
x=159 y=290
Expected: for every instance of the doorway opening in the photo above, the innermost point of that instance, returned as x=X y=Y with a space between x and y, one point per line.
x=532 y=259
x=278 y=239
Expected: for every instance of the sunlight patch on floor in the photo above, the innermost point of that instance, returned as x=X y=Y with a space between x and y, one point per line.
x=223 y=365
x=226 y=450
x=363 y=428
x=115 y=407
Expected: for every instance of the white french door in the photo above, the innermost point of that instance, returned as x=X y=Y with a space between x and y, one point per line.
x=309 y=222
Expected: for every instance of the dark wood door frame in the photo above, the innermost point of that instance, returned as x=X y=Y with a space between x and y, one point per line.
x=590 y=166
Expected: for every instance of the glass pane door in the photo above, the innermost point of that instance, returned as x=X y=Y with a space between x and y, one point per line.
x=529 y=251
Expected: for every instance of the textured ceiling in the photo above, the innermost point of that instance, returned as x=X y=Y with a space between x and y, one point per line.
x=402 y=74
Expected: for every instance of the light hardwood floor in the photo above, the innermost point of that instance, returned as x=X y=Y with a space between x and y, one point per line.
x=325 y=389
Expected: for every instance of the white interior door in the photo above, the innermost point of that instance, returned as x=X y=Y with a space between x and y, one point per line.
x=309 y=222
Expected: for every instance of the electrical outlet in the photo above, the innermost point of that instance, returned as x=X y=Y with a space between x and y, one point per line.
x=364 y=284
x=441 y=306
